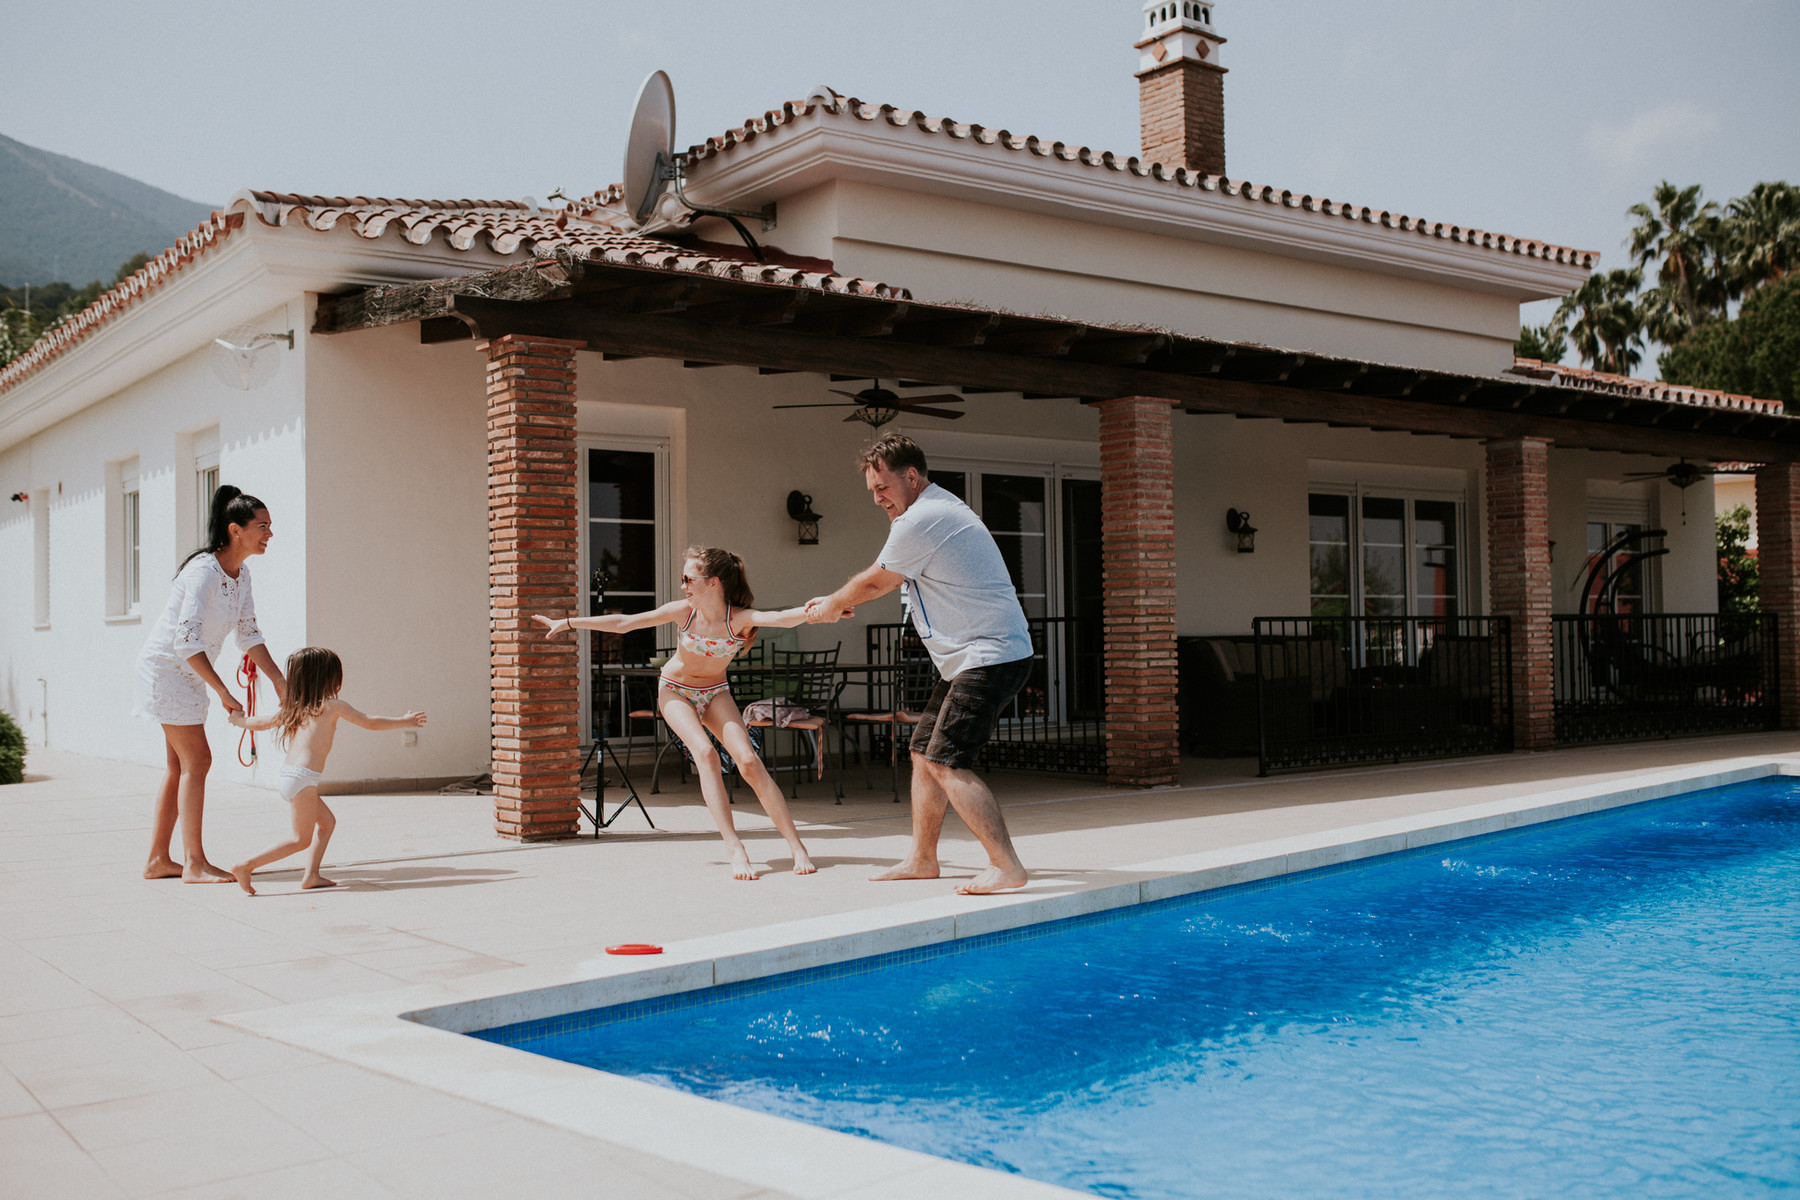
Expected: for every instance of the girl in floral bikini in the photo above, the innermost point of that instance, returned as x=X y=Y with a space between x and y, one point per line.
x=716 y=623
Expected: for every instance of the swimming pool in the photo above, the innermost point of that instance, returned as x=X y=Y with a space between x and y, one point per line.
x=1604 y=1006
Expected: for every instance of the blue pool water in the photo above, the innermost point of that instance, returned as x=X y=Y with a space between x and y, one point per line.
x=1602 y=1007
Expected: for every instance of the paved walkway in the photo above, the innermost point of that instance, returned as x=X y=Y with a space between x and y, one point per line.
x=114 y=1079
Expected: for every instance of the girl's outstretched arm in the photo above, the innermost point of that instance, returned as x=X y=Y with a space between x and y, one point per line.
x=253 y=724
x=785 y=618
x=350 y=713
x=674 y=610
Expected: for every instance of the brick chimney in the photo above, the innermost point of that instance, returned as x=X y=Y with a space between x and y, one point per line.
x=1181 y=86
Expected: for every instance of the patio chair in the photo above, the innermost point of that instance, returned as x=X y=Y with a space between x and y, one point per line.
x=660 y=737
x=903 y=695
x=807 y=678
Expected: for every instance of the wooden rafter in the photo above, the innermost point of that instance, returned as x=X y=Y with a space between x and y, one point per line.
x=628 y=312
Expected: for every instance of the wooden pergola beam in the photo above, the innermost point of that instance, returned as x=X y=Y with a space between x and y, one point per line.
x=734 y=322
x=890 y=358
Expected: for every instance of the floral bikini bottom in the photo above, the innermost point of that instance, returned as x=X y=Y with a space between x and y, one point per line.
x=699 y=697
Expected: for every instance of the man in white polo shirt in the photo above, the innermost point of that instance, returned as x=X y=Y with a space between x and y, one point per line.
x=968 y=616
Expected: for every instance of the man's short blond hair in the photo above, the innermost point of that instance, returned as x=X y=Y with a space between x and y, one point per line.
x=894 y=451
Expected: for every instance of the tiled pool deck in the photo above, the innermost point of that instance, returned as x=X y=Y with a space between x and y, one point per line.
x=116 y=1078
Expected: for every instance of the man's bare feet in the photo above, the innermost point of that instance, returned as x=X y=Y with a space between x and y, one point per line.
x=740 y=864
x=316 y=881
x=993 y=880
x=241 y=873
x=803 y=863
x=910 y=868
x=162 y=868
x=205 y=872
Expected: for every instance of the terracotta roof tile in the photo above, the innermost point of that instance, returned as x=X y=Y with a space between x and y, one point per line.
x=504 y=226
x=1648 y=389
x=827 y=103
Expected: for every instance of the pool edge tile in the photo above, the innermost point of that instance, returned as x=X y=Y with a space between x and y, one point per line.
x=783 y=951
x=1188 y=880
x=1017 y=909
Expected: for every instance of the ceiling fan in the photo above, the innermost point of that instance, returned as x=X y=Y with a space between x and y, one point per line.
x=876 y=406
x=1683 y=474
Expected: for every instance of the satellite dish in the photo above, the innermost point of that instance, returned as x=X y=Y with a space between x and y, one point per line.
x=650 y=149
x=241 y=358
x=652 y=182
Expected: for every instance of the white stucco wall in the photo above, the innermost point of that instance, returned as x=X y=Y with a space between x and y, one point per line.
x=396 y=478
x=1267 y=469
x=86 y=654
x=946 y=249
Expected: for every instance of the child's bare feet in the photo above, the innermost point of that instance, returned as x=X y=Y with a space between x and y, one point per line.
x=740 y=864
x=162 y=867
x=241 y=873
x=205 y=872
x=316 y=881
x=803 y=864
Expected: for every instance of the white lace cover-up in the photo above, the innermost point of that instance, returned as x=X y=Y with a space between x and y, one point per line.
x=204 y=605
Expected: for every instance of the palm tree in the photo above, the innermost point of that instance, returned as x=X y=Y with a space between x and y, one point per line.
x=1603 y=322
x=1546 y=343
x=1765 y=235
x=1684 y=238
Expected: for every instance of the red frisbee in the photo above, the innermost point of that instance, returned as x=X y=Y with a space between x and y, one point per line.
x=634 y=948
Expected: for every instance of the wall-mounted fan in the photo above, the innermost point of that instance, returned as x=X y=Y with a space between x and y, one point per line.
x=876 y=406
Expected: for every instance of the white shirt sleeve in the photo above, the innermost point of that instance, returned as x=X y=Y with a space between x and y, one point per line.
x=248 y=634
x=202 y=598
x=907 y=549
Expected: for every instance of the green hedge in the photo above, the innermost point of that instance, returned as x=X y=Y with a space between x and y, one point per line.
x=12 y=751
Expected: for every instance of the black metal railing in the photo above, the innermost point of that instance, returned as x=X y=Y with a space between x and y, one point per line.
x=1057 y=722
x=1333 y=691
x=1621 y=677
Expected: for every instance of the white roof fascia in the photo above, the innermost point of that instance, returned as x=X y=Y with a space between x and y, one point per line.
x=814 y=149
x=255 y=269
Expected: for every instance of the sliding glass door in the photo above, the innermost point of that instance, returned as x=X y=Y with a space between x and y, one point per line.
x=624 y=558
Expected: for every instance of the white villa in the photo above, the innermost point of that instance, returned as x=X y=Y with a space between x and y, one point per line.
x=1142 y=344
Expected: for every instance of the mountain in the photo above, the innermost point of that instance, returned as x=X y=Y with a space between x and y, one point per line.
x=61 y=219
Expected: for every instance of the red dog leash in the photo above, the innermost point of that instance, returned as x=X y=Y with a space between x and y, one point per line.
x=246 y=677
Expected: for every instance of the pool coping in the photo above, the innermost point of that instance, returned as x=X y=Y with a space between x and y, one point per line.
x=417 y=1033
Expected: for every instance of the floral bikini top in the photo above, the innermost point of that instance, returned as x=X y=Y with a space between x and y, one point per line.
x=727 y=647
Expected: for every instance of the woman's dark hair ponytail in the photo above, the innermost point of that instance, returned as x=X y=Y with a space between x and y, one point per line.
x=229 y=507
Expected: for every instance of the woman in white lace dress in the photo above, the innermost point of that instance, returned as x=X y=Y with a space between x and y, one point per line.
x=210 y=598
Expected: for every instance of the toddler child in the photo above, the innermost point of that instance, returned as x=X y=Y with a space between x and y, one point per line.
x=307 y=722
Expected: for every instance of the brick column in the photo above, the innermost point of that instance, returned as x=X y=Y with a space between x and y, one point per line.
x=1518 y=570
x=1778 y=573
x=532 y=545
x=1137 y=524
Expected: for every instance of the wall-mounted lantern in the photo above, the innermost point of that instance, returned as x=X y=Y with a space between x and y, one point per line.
x=800 y=509
x=1239 y=524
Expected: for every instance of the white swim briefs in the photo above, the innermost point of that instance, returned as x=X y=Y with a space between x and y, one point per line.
x=295 y=779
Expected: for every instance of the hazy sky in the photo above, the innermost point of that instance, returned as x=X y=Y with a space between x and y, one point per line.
x=1535 y=118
